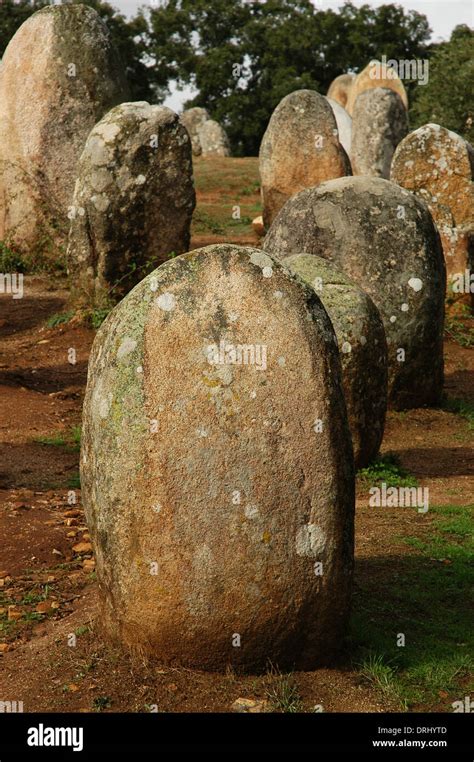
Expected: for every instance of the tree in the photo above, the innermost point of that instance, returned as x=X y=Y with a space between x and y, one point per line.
x=12 y=15
x=243 y=57
x=447 y=98
x=128 y=37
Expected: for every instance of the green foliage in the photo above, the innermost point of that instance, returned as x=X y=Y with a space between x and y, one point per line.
x=460 y=326
x=242 y=58
x=54 y=441
x=96 y=317
x=83 y=629
x=70 y=440
x=465 y=408
x=423 y=595
x=283 y=693
x=204 y=223
x=387 y=469
x=74 y=481
x=10 y=260
x=101 y=702
x=59 y=319
x=279 y=45
x=76 y=432
x=375 y=670
x=447 y=98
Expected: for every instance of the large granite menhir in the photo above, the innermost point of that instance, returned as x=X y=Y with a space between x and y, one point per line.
x=300 y=149
x=383 y=238
x=216 y=467
x=133 y=201
x=362 y=347
x=59 y=75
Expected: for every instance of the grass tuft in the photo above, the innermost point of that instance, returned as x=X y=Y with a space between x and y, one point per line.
x=387 y=469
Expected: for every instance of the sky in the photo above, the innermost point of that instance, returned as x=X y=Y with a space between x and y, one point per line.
x=443 y=16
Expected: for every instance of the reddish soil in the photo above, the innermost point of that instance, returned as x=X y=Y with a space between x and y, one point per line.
x=41 y=396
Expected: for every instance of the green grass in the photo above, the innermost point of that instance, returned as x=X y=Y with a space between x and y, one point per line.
x=221 y=185
x=83 y=629
x=55 y=441
x=70 y=440
x=45 y=257
x=205 y=223
x=10 y=260
x=283 y=694
x=461 y=407
x=59 y=319
x=76 y=436
x=425 y=596
x=460 y=327
x=387 y=469
x=74 y=481
x=96 y=317
x=101 y=702
x=376 y=671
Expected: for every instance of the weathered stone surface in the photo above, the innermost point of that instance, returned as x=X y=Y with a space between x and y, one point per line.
x=384 y=238
x=59 y=75
x=340 y=88
x=300 y=149
x=438 y=165
x=209 y=493
x=250 y=706
x=375 y=74
x=213 y=139
x=362 y=347
x=379 y=123
x=193 y=119
x=344 y=124
x=133 y=201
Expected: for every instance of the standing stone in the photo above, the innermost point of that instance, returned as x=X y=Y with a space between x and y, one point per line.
x=376 y=74
x=193 y=119
x=133 y=201
x=213 y=139
x=379 y=123
x=384 y=238
x=59 y=75
x=216 y=466
x=344 y=124
x=438 y=165
x=362 y=347
x=340 y=88
x=299 y=149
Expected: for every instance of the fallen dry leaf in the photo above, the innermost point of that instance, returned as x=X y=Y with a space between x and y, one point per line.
x=14 y=613
x=43 y=607
x=82 y=547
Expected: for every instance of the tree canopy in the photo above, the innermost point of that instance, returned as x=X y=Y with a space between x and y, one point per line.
x=448 y=98
x=242 y=57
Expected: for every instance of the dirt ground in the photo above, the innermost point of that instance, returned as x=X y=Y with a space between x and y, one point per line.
x=52 y=656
